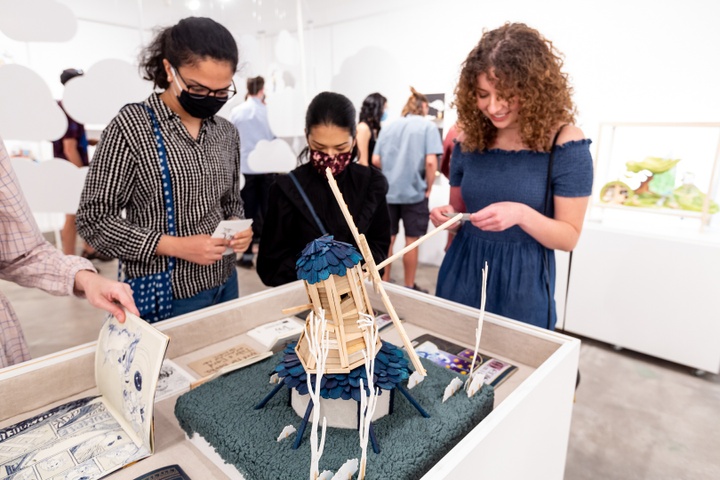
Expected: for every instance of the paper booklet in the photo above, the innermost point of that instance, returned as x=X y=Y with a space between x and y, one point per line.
x=459 y=359
x=94 y=436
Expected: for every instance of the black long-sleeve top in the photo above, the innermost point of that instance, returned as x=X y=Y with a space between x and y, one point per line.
x=289 y=226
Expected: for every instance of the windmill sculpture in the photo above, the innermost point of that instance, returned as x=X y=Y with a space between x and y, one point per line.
x=335 y=284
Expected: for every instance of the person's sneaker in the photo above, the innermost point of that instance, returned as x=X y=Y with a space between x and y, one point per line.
x=244 y=263
x=415 y=287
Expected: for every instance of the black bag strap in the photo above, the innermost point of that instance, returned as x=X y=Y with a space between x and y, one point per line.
x=307 y=202
x=547 y=210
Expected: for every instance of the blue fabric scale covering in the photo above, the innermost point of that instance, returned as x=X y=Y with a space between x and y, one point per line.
x=323 y=257
x=391 y=368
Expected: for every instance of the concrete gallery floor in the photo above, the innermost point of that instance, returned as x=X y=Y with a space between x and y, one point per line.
x=635 y=417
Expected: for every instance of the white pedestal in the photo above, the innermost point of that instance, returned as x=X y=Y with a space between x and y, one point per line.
x=655 y=291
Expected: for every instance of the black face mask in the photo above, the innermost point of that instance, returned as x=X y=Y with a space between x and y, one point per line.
x=200 y=107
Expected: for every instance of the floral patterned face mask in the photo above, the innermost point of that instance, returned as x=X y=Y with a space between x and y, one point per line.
x=337 y=163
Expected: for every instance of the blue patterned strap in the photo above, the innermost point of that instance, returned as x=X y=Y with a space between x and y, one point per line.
x=166 y=184
x=307 y=202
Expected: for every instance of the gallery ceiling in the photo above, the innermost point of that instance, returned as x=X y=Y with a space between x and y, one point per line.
x=239 y=16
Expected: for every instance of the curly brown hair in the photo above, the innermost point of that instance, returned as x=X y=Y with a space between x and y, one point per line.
x=525 y=66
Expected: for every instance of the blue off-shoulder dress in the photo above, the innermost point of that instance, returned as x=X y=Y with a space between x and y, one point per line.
x=518 y=278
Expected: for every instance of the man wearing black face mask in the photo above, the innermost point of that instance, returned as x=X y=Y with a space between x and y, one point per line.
x=174 y=167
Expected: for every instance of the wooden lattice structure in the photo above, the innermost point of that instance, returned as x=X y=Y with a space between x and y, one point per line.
x=343 y=300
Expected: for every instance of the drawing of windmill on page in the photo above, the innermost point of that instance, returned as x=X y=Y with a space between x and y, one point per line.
x=94 y=436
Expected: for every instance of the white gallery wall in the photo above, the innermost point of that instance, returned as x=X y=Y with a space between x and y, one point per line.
x=628 y=60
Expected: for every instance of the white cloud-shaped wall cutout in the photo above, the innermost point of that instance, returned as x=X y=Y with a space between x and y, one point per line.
x=28 y=110
x=37 y=21
x=287 y=49
x=286 y=112
x=51 y=186
x=106 y=87
x=274 y=156
x=353 y=81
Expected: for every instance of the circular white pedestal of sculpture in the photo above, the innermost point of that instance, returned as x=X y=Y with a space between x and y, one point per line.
x=340 y=413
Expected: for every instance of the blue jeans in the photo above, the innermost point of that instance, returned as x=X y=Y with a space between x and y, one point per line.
x=207 y=298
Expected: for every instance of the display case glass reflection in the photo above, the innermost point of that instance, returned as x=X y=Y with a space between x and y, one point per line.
x=664 y=168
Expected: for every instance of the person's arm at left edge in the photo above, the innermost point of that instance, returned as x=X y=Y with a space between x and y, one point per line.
x=232 y=203
x=29 y=260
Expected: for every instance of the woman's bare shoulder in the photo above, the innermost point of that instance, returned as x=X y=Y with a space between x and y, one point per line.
x=570 y=133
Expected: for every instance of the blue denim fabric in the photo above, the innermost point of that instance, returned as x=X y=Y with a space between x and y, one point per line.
x=207 y=298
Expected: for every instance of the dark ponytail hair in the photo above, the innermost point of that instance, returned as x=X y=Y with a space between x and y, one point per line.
x=191 y=40
x=329 y=108
x=371 y=112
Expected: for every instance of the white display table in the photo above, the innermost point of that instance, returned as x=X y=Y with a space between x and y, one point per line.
x=526 y=433
x=650 y=286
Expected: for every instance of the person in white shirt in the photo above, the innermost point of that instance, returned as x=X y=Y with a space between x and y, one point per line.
x=250 y=118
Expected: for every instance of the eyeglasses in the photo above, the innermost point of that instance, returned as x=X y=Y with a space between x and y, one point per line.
x=198 y=92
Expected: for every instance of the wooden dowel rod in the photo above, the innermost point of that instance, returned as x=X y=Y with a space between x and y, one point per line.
x=420 y=240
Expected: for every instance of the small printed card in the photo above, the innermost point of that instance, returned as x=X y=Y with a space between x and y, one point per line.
x=228 y=228
x=494 y=371
x=214 y=363
x=172 y=381
x=274 y=334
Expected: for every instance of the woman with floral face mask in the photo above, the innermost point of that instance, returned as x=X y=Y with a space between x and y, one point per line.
x=173 y=167
x=290 y=223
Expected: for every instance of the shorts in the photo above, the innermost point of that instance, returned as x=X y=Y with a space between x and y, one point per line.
x=415 y=218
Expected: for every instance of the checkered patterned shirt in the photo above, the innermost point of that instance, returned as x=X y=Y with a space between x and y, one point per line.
x=125 y=176
x=26 y=259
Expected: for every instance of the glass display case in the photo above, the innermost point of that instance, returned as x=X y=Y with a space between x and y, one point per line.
x=659 y=168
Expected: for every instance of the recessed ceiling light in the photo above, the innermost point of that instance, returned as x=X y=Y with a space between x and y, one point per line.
x=193 y=5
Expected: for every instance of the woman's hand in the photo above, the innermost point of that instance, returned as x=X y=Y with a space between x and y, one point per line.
x=201 y=249
x=499 y=216
x=106 y=294
x=241 y=240
x=437 y=216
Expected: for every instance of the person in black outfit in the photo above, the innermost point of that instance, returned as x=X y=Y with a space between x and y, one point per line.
x=372 y=113
x=289 y=225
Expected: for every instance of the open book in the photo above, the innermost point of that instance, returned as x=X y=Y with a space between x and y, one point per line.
x=94 y=436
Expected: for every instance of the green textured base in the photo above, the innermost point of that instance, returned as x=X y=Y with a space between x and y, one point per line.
x=222 y=412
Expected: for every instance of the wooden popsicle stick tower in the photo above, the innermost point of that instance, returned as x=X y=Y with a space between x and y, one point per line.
x=344 y=299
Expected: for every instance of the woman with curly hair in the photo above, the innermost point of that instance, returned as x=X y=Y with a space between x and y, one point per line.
x=372 y=113
x=524 y=171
